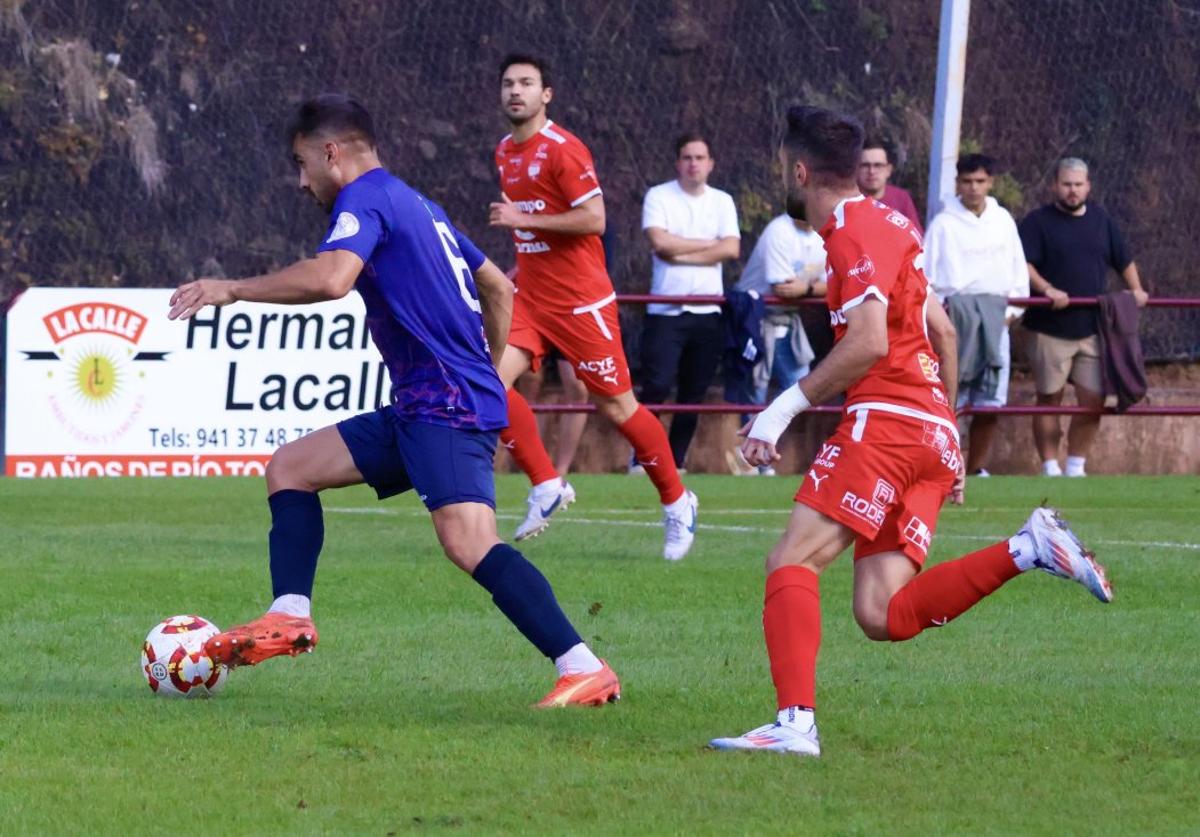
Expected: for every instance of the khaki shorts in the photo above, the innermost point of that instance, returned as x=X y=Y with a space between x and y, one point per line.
x=1055 y=361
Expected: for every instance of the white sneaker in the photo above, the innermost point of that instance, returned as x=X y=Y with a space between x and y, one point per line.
x=774 y=738
x=679 y=529
x=1060 y=553
x=542 y=505
x=766 y=470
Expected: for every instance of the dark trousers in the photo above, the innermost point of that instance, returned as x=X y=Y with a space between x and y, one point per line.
x=680 y=352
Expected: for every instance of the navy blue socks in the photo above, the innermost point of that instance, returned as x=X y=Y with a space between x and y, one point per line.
x=297 y=532
x=524 y=596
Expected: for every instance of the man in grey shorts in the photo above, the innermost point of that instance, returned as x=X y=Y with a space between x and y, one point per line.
x=1069 y=245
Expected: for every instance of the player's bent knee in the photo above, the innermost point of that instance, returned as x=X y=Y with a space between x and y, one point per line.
x=618 y=408
x=793 y=554
x=466 y=554
x=467 y=532
x=873 y=623
x=286 y=470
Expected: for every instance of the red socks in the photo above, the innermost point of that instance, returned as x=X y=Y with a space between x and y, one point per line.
x=792 y=625
x=941 y=593
x=792 y=613
x=523 y=442
x=653 y=452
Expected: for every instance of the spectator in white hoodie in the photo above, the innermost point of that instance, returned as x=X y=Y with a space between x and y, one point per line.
x=972 y=249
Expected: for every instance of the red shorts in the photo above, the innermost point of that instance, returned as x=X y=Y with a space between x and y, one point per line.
x=885 y=476
x=589 y=337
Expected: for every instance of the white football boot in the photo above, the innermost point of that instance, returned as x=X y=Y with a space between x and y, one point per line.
x=543 y=504
x=1060 y=553
x=774 y=738
x=679 y=527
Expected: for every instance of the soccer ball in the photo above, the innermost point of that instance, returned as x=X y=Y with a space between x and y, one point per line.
x=174 y=662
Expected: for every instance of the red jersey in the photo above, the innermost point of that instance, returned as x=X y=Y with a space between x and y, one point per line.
x=552 y=172
x=874 y=251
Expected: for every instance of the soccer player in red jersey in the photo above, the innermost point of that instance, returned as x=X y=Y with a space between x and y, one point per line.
x=879 y=481
x=552 y=202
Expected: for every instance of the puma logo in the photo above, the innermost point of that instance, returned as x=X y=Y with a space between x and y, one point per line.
x=812 y=475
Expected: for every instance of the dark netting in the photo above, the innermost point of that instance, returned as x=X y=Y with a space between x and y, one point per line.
x=140 y=142
x=1115 y=84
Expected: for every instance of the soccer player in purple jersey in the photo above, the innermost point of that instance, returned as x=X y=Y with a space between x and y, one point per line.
x=439 y=312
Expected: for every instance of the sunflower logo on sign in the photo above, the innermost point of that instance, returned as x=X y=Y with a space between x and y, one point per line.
x=97 y=377
x=94 y=360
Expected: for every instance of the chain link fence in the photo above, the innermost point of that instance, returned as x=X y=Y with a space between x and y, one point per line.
x=141 y=141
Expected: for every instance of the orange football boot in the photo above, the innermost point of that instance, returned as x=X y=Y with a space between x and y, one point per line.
x=264 y=638
x=594 y=689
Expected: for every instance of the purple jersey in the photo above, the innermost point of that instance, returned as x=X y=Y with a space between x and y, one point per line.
x=423 y=309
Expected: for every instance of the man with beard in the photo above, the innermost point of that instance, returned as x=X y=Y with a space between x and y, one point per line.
x=439 y=312
x=879 y=481
x=551 y=200
x=1070 y=244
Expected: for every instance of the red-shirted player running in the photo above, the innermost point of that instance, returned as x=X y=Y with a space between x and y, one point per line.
x=880 y=480
x=551 y=200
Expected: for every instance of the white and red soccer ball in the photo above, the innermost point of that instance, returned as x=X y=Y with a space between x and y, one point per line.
x=174 y=662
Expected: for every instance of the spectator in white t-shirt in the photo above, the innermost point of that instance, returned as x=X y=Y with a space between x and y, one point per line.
x=975 y=262
x=788 y=261
x=692 y=229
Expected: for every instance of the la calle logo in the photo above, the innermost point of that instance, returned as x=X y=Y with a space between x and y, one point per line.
x=98 y=344
x=96 y=372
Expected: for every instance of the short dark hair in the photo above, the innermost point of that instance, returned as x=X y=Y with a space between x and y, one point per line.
x=691 y=136
x=332 y=114
x=880 y=141
x=535 y=61
x=968 y=163
x=829 y=142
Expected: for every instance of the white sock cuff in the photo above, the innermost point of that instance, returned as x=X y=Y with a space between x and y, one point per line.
x=798 y=717
x=679 y=504
x=293 y=604
x=1022 y=550
x=578 y=659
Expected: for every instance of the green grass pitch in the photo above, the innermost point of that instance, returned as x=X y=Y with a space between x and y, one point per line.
x=1041 y=711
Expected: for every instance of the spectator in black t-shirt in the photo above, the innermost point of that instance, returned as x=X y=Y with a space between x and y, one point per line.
x=1070 y=244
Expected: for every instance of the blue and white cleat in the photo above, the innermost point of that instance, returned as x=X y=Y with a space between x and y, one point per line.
x=1059 y=552
x=543 y=505
x=679 y=527
x=774 y=738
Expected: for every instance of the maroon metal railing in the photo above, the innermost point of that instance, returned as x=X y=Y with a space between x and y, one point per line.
x=1011 y=410
x=1023 y=302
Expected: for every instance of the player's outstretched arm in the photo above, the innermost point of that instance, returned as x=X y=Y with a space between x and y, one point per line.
x=864 y=343
x=330 y=275
x=496 y=300
x=586 y=219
